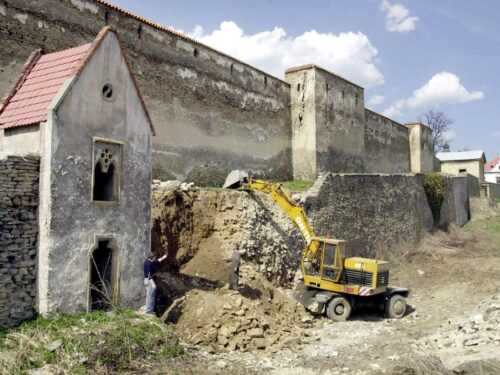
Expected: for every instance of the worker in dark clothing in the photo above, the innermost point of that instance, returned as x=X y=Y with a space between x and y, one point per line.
x=151 y=266
x=235 y=268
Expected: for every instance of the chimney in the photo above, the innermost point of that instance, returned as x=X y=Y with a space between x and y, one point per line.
x=446 y=147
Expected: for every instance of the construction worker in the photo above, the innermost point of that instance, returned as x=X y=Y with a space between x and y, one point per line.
x=151 y=266
x=235 y=267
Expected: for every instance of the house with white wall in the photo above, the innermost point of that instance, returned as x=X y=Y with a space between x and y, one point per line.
x=492 y=171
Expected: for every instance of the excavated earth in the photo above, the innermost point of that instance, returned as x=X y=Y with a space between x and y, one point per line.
x=451 y=327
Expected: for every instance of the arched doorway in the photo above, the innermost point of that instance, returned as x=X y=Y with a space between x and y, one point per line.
x=102 y=285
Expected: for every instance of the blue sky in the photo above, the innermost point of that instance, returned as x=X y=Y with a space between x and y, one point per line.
x=409 y=55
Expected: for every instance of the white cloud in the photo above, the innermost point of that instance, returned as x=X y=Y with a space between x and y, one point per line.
x=449 y=135
x=443 y=87
x=397 y=17
x=376 y=100
x=348 y=54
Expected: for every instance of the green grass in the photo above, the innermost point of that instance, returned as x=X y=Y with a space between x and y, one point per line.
x=122 y=340
x=497 y=200
x=297 y=185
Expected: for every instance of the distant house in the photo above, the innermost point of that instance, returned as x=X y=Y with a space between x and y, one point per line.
x=492 y=170
x=81 y=111
x=458 y=162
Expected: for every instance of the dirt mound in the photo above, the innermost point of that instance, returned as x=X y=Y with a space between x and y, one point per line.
x=196 y=229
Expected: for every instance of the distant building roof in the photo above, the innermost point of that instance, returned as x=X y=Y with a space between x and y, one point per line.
x=491 y=164
x=42 y=77
x=461 y=155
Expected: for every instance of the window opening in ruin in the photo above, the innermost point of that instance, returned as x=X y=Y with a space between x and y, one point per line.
x=265 y=81
x=195 y=52
x=139 y=31
x=107 y=91
x=298 y=86
x=356 y=99
x=106 y=18
x=327 y=87
x=343 y=94
x=232 y=68
x=105 y=178
x=462 y=170
x=101 y=277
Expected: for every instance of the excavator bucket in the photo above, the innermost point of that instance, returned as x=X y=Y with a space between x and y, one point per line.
x=235 y=179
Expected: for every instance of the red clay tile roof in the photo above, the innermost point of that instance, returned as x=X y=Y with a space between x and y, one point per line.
x=39 y=83
x=42 y=77
x=491 y=164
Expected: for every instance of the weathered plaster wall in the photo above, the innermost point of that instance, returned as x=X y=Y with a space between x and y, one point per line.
x=211 y=111
x=474 y=167
x=373 y=212
x=18 y=238
x=70 y=221
x=482 y=208
x=303 y=107
x=421 y=155
x=495 y=190
x=24 y=140
x=340 y=124
x=386 y=145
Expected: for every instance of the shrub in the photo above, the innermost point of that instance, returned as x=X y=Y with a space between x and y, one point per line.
x=434 y=189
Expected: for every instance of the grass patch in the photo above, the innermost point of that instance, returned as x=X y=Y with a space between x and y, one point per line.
x=297 y=185
x=97 y=342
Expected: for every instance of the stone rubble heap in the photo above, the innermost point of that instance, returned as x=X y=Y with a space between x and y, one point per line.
x=468 y=333
x=18 y=238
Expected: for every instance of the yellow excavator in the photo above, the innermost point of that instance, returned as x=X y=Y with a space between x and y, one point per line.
x=334 y=283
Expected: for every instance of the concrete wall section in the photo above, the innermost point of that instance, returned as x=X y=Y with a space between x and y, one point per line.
x=482 y=208
x=340 y=124
x=302 y=94
x=18 y=238
x=211 y=111
x=495 y=191
x=387 y=145
x=372 y=212
x=71 y=222
x=455 y=207
x=24 y=140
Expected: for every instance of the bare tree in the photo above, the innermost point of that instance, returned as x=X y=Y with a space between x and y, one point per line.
x=440 y=124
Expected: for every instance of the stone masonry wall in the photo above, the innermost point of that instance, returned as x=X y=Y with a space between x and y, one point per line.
x=373 y=212
x=387 y=147
x=212 y=113
x=18 y=238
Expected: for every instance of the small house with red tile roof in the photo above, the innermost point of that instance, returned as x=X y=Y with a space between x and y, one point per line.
x=82 y=112
x=492 y=171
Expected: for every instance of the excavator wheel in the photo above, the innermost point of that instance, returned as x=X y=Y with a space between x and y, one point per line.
x=338 y=309
x=395 y=306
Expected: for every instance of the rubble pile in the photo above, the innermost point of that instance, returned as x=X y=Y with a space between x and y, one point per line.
x=468 y=333
x=256 y=317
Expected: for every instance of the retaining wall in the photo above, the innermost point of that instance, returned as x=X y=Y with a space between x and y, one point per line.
x=371 y=211
x=18 y=238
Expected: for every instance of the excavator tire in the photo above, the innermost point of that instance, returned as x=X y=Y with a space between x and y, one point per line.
x=395 y=306
x=338 y=309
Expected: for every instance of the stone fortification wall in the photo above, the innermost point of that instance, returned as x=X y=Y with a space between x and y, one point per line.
x=212 y=113
x=18 y=238
x=340 y=124
x=373 y=212
x=387 y=147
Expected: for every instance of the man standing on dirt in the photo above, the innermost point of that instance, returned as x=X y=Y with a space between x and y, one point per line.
x=235 y=268
x=151 y=266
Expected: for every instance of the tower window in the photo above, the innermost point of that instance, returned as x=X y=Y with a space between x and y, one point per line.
x=106 y=172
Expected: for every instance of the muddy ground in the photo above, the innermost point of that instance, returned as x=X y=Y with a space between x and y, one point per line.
x=453 y=319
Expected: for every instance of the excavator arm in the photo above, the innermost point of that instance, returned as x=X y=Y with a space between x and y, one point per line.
x=282 y=197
